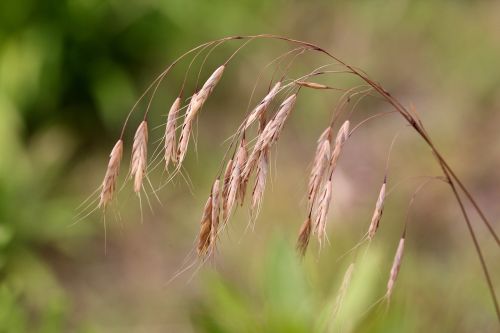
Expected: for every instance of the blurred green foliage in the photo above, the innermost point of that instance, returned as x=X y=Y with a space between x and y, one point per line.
x=286 y=300
x=71 y=69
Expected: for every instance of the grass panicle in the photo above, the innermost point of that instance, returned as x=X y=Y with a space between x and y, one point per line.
x=227 y=191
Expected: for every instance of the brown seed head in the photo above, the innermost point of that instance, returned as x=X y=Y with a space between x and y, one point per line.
x=205 y=229
x=109 y=182
x=342 y=136
x=212 y=81
x=183 y=142
x=225 y=188
x=282 y=115
x=343 y=133
x=395 y=267
x=320 y=163
x=269 y=134
x=195 y=105
x=199 y=98
x=377 y=214
x=170 y=139
x=312 y=85
x=216 y=196
x=139 y=155
x=262 y=106
x=321 y=212
x=242 y=160
x=260 y=183
x=235 y=178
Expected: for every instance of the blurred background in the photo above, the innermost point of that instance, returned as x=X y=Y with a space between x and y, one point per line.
x=70 y=70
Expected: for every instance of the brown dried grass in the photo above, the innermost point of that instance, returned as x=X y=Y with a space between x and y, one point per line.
x=240 y=167
x=139 y=155
x=396 y=265
x=170 y=137
x=377 y=214
x=109 y=183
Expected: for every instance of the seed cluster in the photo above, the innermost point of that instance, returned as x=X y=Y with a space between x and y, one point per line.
x=248 y=158
x=229 y=191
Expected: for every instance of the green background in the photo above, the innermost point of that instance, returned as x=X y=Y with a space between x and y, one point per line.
x=70 y=70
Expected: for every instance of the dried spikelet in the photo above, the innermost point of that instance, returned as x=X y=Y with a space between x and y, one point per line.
x=189 y=115
x=342 y=136
x=216 y=195
x=343 y=133
x=210 y=84
x=170 y=144
x=225 y=188
x=395 y=267
x=235 y=179
x=139 y=155
x=377 y=214
x=282 y=115
x=320 y=163
x=304 y=236
x=325 y=136
x=273 y=128
x=312 y=85
x=109 y=182
x=183 y=142
x=205 y=229
x=195 y=104
x=242 y=160
x=260 y=183
x=250 y=165
x=334 y=157
x=199 y=98
x=262 y=106
x=321 y=211
x=270 y=134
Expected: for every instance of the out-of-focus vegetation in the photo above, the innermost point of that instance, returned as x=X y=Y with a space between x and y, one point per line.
x=71 y=69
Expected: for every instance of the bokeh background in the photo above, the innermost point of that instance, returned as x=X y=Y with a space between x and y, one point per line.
x=71 y=69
